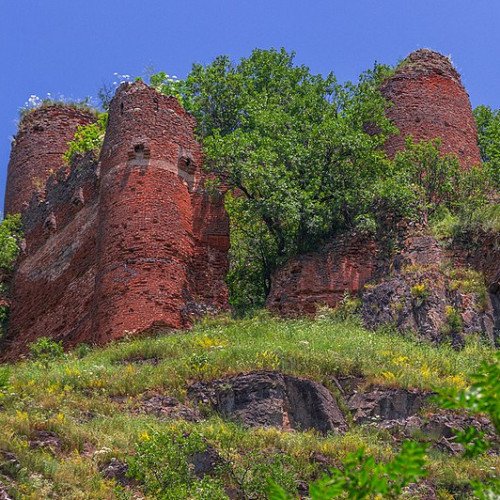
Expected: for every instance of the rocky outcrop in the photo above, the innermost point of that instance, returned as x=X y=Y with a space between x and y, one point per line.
x=385 y=404
x=426 y=295
x=165 y=408
x=271 y=399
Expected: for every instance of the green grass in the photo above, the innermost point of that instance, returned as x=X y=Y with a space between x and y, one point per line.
x=77 y=399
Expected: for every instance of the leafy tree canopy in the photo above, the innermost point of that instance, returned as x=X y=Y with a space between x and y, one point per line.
x=488 y=127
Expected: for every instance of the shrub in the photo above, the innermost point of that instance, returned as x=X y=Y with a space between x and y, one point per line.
x=10 y=236
x=483 y=396
x=87 y=138
x=162 y=463
x=361 y=476
x=420 y=292
x=44 y=350
x=454 y=321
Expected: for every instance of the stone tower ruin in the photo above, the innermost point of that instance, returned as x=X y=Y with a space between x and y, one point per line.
x=429 y=101
x=38 y=149
x=124 y=243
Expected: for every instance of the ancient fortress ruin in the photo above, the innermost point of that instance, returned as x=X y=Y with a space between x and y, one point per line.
x=132 y=241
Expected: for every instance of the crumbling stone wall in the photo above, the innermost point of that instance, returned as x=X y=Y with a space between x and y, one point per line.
x=323 y=277
x=158 y=244
x=52 y=289
x=430 y=101
x=124 y=243
x=37 y=151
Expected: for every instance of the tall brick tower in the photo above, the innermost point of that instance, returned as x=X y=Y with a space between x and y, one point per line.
x=37 y=150
x=430 y=101
x=149 y=246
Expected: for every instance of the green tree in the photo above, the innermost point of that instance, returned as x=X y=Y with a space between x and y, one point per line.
x=298 y=151
x=488 y=127
x=10 y=235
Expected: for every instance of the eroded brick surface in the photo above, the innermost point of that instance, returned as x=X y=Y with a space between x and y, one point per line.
x=429 y=101
x=123 y=244
x=323 y=277
x=37 y=151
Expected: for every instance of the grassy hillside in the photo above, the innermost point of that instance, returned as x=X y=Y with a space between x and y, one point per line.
x=62 y=421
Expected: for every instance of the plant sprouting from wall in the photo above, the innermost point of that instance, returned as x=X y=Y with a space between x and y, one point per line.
x=10 y=237
x=87 y=138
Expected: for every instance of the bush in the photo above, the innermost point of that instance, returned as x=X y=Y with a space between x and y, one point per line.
x=44 y=350
x=360 y=476
x=162 y=464
x=483 y=396
x=10 y=236
x=87 y=138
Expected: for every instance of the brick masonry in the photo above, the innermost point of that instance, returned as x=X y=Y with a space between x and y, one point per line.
x=429 y=101
x=125 y=243
x=37 y=151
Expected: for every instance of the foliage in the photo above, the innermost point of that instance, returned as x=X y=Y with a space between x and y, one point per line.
x=362 y=477
x=10 y=236
x=483 y=396
x=488 y=127
x=438 y=183
x=87 y=138
x=4 y=377
x=44 y=350
x=454 y=322
x=162 y=464
x=36 y=102
x=251 y=258
x=420 y=291
x=170 y=85
x=293 y=145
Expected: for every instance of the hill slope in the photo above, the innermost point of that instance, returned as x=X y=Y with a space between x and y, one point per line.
x=71 y=427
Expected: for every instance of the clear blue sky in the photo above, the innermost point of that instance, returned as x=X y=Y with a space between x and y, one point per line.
x=73 y=46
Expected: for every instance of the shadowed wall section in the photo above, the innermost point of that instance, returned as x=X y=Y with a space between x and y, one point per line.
x=37 y=151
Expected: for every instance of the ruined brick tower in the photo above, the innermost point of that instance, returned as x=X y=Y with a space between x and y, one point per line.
x=430 y=101
x=125 y=243
x=37 y=151
x=148 y=242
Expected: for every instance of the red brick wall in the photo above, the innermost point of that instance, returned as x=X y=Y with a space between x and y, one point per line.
x=430 y=101
x=147 y=241
x=322 y=278
x=52 y=288
x=37 y=151
x=126 y=244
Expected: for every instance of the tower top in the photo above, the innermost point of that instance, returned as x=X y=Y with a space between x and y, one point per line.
x=426 y=62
